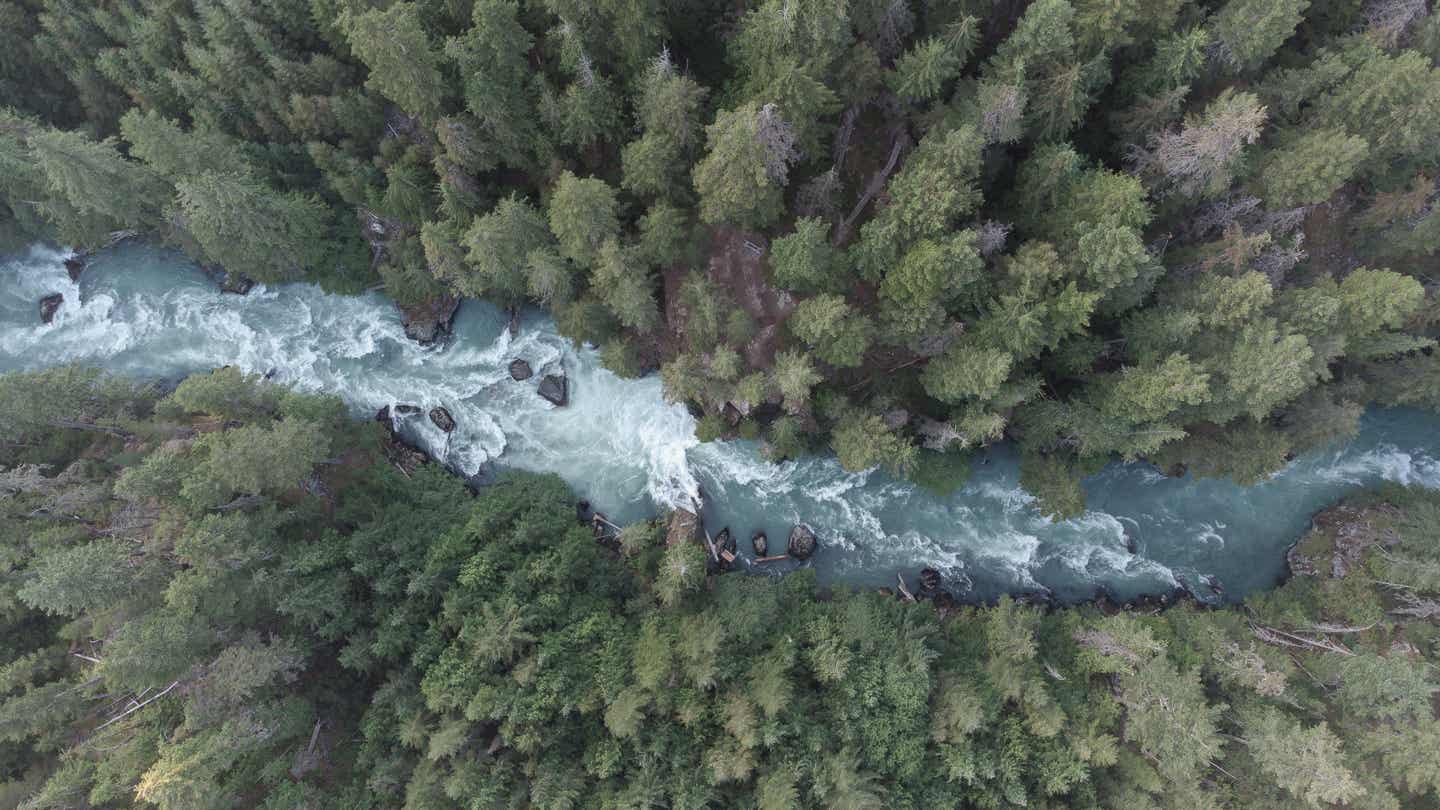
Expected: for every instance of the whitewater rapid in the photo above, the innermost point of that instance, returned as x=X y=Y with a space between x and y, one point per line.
x=147 y=312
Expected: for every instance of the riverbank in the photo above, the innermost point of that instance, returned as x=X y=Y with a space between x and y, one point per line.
x=351 y=618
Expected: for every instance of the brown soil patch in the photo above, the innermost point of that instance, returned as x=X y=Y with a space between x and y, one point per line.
x=741 y=272
x=1327 y=243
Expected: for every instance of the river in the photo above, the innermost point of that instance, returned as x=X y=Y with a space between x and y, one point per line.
x=147 y=312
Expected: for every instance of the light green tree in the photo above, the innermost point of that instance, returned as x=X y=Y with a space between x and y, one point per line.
x=583 y=216
x=404 y=64
x=835 y=332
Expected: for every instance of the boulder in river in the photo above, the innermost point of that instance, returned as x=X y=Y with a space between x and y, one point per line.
x=232 y=282
x=725 y=546
x=406 y=410
x=760 y=543
x=48 y=305
x=520 y=370
x=802 y=542
x=74 y=266
x=555 y=388
x=429 y=322
x=442 y=419
x=929 y=580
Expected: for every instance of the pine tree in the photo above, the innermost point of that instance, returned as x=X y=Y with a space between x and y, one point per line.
x=251 y=229
x=404 y=64
x=747 y=163
x=805 y=261
x=583 y=216
x=834 y=331
x=498 y=247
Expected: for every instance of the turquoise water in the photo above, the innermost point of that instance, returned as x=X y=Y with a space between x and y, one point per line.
x=147 y=312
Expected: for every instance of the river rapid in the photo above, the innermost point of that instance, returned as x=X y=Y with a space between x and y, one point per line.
x=149 y=313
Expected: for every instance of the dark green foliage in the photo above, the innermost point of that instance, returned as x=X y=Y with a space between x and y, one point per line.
x=380 y=637
x=1129 y=228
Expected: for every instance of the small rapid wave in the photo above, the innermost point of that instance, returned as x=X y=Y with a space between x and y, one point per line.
x=147 y=312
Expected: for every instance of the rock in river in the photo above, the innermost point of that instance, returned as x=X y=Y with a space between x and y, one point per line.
x=802 y=542
x=429 y=322
x=74 y=266
x=406 y=410
x=520 y=370
x=929 y=580
x=235 y=283
x=725 y=547
x=48 y=305
x=442 y=419
x=555 y=388
x=760 y=543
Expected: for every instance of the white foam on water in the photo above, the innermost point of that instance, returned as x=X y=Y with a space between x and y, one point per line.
x=1009 y=494
x=618 y=442
x=1209 y=534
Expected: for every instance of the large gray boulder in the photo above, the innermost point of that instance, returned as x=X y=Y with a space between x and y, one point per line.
x=556 y=389
x=520 y=370
x=802 y=542
x=48 y=305
x=442 y=419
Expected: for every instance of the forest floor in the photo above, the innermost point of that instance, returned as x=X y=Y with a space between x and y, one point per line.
x=741 y=272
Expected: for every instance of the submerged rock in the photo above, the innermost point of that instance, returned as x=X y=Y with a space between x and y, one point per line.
x=442 y=419
x=520 y=370
x=48 y=305
x=760 y=543
x=802 y=542
x=429 y=322
x=406 y=410
x=74 y=266
x=555 y=388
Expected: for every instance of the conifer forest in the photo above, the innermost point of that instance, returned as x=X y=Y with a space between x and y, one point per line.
x=1199 y=235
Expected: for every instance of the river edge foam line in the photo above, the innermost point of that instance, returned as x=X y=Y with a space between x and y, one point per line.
x=148 y=312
